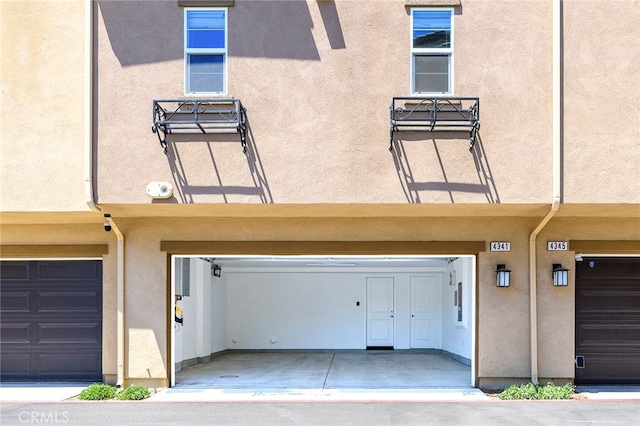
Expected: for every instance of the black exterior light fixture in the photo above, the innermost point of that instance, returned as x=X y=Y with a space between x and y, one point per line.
x=560 y=275
x=216 y=270
x=107 y=222
x=503 y=276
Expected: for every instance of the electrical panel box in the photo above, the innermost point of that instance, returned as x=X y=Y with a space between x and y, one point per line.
x=183 y=276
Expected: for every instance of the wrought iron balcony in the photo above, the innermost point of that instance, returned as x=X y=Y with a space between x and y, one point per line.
x=412 y=114
x=196 y=116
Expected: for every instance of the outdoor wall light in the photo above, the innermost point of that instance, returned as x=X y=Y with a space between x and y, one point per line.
x=503 y=276
x=107 y=223
x=216 y=270
x=560 y=275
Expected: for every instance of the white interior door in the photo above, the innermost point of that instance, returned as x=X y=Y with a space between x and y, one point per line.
x=424 y=315
x=380 y=315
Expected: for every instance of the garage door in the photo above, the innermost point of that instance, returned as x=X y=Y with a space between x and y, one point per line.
x=51 y=317
x=608 y=321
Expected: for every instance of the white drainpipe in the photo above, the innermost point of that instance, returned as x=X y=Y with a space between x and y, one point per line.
x=555 y=205
x=88 y=186
x=120 y=304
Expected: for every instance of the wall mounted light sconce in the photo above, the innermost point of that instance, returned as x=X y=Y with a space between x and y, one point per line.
x=503 y=276
x=216 y=270
x=560 y=275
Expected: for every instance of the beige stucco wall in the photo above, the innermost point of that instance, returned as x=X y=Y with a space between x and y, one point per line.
x=42 y=108
x=601 y=102
x=317 y=80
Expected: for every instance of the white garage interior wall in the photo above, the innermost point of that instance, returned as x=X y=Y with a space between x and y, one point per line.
x=318 y=303
x=457 y=336
x=204 y=328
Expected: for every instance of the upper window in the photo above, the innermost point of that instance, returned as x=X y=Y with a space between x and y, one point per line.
x=432 y=51
x=205 y=51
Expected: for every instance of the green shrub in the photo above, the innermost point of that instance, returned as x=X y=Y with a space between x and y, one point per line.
x=531 y=391
x=98 y=392
x=134 y=393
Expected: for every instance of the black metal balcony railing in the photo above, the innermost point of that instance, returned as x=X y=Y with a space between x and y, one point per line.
x=191 y=116
x=412 y=114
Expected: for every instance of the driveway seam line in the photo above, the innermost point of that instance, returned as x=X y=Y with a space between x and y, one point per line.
x=324 y=384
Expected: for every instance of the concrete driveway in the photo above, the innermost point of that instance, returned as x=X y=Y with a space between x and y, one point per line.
x=313 y=376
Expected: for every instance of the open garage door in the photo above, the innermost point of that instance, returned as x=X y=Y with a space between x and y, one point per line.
x=608 y=320
x=320 y=303
x=51 y=316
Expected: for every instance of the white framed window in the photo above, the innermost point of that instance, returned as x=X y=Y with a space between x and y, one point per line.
x=205 y=51
x=432 y=51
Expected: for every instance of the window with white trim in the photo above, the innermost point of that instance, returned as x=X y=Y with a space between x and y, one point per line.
x=205 y=51
x=432 y=51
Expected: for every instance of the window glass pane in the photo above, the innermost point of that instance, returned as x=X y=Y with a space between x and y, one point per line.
x=205 y=83
x=205 y=19
x=205 y=39
x=205 y=29
x=206 y=73
x=206 y=63
x=432 y=83
x=432 y=64
x=431 y=74
x=431 y=29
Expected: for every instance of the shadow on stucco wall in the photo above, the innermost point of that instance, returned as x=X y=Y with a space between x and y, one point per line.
x=149 y=31
x=485 y=175
x=222 y=188
x=415 y=190
x=331 y=22
x=143 y=32
x=272 y=29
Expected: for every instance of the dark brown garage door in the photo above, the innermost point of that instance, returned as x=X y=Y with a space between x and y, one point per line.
x=608 y=321
x=51 y=317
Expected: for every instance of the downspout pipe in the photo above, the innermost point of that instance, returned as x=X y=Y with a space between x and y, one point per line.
x=533 y=289
x=88 y=188
x=120 y=301
x=555 y=204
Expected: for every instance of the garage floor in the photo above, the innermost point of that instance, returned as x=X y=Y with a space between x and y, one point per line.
x=326 y=370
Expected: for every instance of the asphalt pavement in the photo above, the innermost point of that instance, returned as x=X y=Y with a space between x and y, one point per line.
x=50 y=403
x=451 y=413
